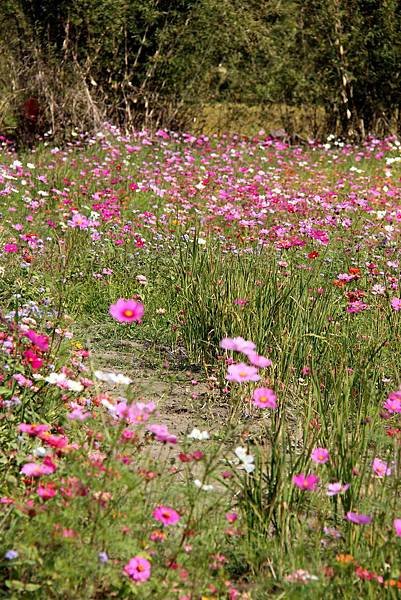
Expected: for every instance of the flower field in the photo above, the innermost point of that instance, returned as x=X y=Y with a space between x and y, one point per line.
x=200 y=391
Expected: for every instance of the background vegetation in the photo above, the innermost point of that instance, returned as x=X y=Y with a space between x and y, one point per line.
x=309 y=67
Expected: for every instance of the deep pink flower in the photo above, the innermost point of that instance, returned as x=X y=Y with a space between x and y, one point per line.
x=264 y=397
x=10 y=248
x=306 y=482
x=320 y=455
x=238 y=344
x=33 y=359
x=241 y=373
x=393 y=402
x=397 y=527
x=41 y=341
x=138 y=569
x=231 y=517
x=166 y=515
x=358 y=518
x=162 y=434
x=380 y=468
x=127 y=311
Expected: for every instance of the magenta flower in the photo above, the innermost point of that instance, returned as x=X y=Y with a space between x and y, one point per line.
x=396 y=304
x=320 y=455
x=162 y=434
x=127 y=311
x=380 y=468
x=138 y=569
x=336 y=488
x=358 y=518
x=166 y=515
x=397 y=527
x=264 y=397
x=306 y=482
x=238 y=344
x=10 y=248
x=33 y=359
x=242 y=373
x=41 y=341
x=393 y=402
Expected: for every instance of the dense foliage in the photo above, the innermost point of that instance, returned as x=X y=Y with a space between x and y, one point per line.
x=155 y=62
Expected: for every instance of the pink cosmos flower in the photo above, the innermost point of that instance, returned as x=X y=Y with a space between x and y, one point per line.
x=33 y=428
x=358 y=518
x=396 y=304
x=336 y=488
x=306 y=482
x=264 y=397
x=356 y=307
x=320 y=455
x=41 y=341
x=46 y=490
x=37 y=470
x=231 y=517
x=258 y=361
x=127 y=311
x=241 y=373
x=397 y=527
x=162 y=434
x=138 y=569
x=393 y=402
x=380 y=468
x=238 y=344
x=77 y=413
x=10 y=248
x=33 y=359
x=166 y=515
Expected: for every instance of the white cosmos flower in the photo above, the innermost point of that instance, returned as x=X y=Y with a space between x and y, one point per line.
x=114 y=378
x=63 y=382
x=247 y=460
x=197 y=434
x=203 y=486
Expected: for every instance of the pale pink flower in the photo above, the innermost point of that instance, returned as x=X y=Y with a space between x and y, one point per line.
x=336 y=488
x=397 y=527
x=33 y=429
x=238 y=344
x=396 y=304
x=320 y=455
x=127 y=311
x=242 y=373
x=162 y=434
x=258 y=361
x=380 y=468
x=37 y=470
